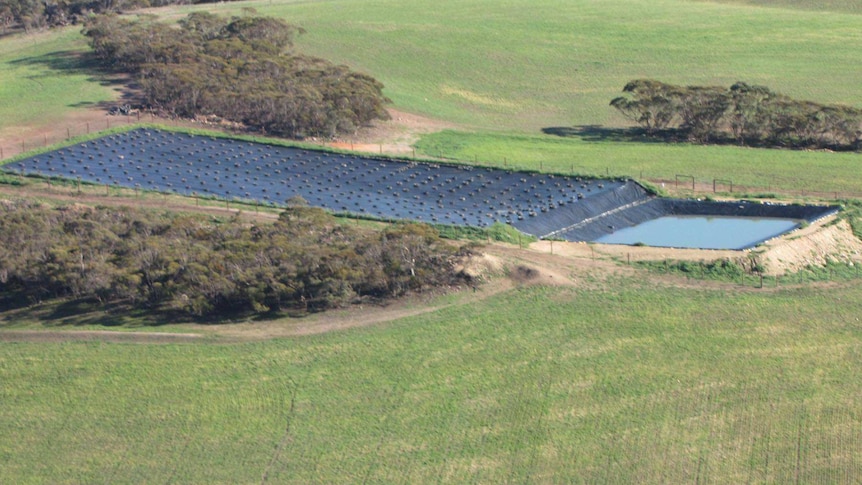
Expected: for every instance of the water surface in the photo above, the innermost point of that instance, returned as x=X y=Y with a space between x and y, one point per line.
x=702 y=232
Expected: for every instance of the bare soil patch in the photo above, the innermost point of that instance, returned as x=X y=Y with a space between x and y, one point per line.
x=395 y=136
x=827 y=240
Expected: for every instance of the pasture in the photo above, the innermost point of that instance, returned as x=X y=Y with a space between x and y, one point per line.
x=516 y=65
x=44 y=77
x=556 y=65
x=756 y=169
x=619 y=383
x=628 y=378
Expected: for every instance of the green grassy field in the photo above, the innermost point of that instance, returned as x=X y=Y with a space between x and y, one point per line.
x=535 y=65
x=519 y=65
x=43 y=78
x=630 y=385
x=846 y=6
x=764 y=169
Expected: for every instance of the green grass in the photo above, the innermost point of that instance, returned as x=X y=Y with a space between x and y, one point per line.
x=630 y=385
x=793 y=170
x=524 y=65
x=845 y=6
x=533 y=65
x=43 y=77
x=558 y=63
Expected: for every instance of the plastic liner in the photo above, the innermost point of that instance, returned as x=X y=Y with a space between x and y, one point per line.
x=654 y=208
x=543 y=205
x=342 y=183
x=566 y=219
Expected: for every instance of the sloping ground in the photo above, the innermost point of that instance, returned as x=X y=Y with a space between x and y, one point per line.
x=568 y=220
x=816 y=245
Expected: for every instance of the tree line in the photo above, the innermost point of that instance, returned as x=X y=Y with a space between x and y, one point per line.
x=200 y=267
x=241 y=69
x=37 y=14
x=745 y=114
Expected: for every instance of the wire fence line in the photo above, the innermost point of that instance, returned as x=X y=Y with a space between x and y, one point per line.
x=677 y=184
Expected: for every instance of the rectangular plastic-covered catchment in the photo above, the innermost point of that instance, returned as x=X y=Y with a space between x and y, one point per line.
x=544 y=205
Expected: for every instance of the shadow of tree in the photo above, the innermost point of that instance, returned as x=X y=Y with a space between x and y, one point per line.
x=83 y=312
x=74 y=62
x=603 y=133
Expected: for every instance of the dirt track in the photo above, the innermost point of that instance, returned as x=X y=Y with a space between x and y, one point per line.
x=576 y=265
x=99 y=336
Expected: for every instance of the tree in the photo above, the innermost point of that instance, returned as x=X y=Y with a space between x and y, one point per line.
x=702 y=109
x=650 y=104
x=240 y=70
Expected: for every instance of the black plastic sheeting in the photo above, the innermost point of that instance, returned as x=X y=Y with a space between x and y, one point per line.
x=543 y=205
x=149 y=159
x=649 y=208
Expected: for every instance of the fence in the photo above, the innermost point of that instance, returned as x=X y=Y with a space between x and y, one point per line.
x=675 y=184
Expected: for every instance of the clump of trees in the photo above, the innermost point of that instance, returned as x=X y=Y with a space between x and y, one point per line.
x=36 y=14
x=241 y=69
x=745 y=114
x=305 y=261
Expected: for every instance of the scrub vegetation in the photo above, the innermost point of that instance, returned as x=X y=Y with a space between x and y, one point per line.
x=242 y=70
x=617 y=374
x=742 y=114
x=190 y=266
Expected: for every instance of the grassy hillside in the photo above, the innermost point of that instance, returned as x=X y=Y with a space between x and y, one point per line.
x=634 y=384
x=846 y=6
x=622 y=381
x=533 y=65
x=522 y=65
x=764 y=169
x=44 y=77
x=554 y=63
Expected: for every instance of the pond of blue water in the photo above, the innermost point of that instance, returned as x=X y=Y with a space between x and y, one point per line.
x=703 y=232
